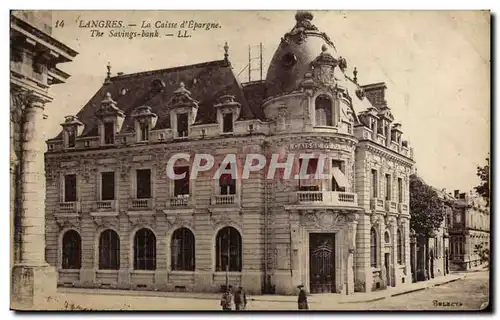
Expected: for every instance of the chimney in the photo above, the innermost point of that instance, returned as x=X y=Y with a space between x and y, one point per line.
x=375 y=93
x=457 y=192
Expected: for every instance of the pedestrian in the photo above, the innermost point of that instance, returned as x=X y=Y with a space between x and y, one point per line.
x=240 y=299
x=226 y=300
x=302 y=299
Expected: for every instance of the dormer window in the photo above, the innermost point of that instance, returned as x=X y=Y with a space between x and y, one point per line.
x=143 y=131
x=109 y=133
x=227 y=120
x=110 y=120
x=324 y=112
x=72 y=127
x=182 y=124
x=71 y=139
x=145 y=120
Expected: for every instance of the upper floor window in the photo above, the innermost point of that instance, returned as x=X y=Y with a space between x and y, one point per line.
x=143 y=177
x=227 y=183
x=339 y=181
x=144 y=131
x=307 y=181
x=107 y=186
x=323 y=109
x=388 y=187
x=227 y=122
x=70 y=188
x=374 y=184
x=400 y=190
x=182 y=124
x=181 y=186
x=71 y=138
x=109 y=133
x=373 y=248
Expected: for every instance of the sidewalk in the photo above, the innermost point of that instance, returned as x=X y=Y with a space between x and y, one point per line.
x=357 y=297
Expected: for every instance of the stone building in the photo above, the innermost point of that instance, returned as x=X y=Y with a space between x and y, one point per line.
x=469 y=228
x=115 y=219
x=33 y=69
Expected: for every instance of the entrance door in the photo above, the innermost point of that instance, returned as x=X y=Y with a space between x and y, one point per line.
x=321 y=262
x=387 y=259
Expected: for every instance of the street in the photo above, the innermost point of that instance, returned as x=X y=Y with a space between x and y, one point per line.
x=464 y=294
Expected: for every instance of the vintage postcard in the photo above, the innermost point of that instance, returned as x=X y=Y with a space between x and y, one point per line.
x=250 y=160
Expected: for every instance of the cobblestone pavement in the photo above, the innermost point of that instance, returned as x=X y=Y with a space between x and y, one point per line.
x=464 y=294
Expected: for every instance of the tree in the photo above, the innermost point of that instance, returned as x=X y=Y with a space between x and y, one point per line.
x=427 y=210
x=483 y=188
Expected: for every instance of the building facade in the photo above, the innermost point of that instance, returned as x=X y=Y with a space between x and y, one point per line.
x=469 y=229
x=34 y=57
x=115 y=219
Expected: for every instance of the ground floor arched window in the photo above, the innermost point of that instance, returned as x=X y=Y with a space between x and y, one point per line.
x=71 y=250
x=373 y=248
x=228 y=249
x=182 y=250
x=144 y=250
x=109 y=250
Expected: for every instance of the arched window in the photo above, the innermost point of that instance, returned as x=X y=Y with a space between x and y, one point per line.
x=400 y=247
x=182 y=250
x=144 y=250
x=71 y=250
x=323 y=108
x=373 y=247
x=387 y=237
x=228 y=250
x=109 y=250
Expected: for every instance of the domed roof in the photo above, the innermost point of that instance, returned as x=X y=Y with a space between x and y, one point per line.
x=293 y=58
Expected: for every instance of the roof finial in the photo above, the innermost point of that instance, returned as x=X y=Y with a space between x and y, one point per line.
x=324 y=48
x=226 y=54
x=355 y=73
x=109 y=70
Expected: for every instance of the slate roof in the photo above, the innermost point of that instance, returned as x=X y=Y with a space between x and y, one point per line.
x=207 y=82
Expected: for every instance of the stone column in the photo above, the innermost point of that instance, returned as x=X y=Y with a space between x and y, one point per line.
x=352 y=221
x=381 y=249
x=33 y=278
x=393 y=227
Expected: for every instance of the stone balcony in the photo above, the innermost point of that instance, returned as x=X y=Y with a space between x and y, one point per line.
x=377 y=204
x=224 y=200
x=182 y=201
x=326 y=198
x=68 y=207
x=102 y=206
x=391 y=206
x=141 y=204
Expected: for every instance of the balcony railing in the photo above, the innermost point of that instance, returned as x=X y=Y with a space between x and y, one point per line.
x=391 y=206
x=141 y=204
x=223 y=200
x=403 y=208
x=104 y=205
x=69 y=207
x=377 y=204
x=179 y=201
x=327 y=198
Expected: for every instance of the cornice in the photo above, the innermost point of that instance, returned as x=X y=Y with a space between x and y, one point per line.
x=385 y=152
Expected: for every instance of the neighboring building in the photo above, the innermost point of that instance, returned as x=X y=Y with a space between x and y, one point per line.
x=33 y=69
x=470 y=227
x=114 y=218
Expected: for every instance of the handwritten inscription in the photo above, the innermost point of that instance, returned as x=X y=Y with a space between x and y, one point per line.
x=143 y=29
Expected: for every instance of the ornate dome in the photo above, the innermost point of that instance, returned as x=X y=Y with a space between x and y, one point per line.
x=297 y=50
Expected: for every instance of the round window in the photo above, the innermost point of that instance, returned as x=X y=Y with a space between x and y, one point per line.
x=289 y=60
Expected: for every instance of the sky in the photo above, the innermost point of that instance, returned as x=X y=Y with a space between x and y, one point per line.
x=436 y=65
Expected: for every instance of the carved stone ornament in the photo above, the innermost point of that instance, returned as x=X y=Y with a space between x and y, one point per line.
x=376 y=219
x=222 y=220
x=87 y=169
x=103 y=222
x=182 y=98
x=390 y=221
x=124 y=166
x=325 y=220
x=52 y=170
x=175 y=220
x=141 y=220
x=68 y=221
